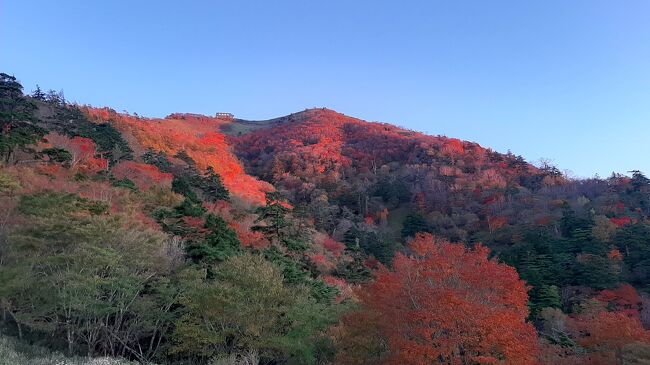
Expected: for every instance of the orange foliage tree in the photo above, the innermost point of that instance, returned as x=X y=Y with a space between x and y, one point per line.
x=443 y=303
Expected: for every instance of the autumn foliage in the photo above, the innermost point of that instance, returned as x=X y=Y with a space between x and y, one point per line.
x=197 y=136
x=320 y=150
x=322 y=144
x=623 y=299
x=83 y=152
x=437 y=305
x=604 y=334
x=621 y=222
x=143 y=175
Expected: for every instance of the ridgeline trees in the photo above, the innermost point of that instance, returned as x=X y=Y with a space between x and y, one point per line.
x=17 y=127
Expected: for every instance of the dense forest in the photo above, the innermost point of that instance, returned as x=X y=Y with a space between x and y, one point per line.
x=314 y=238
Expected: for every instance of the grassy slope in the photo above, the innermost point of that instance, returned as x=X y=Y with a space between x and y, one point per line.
x=240 y=127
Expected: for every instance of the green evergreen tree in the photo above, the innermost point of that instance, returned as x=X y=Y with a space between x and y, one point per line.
x=634 y=242
x=38 y=94
x=355 y=271
x=294 y=271
x=57 y=155
x=545 y=296
x=218 y=245
x=212 y=186
x=192 y=205
x=158 y=159
x=17 y=127
x=273 y=215
x=371 y=244
x=414 y=223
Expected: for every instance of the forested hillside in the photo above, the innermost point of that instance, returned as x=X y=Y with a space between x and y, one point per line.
x=314 y=238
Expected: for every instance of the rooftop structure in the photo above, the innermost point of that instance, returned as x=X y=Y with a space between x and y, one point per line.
x=224 y=116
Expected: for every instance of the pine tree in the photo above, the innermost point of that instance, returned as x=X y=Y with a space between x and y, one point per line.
x=355 y=271
x=221 y=243
x=546 y=296
x=273 y=215
x=52 y=97
x=212 y=186
x=415 y=223
x=38 y=94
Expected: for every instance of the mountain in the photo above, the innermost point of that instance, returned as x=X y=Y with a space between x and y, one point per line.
x=309 y=238
x=373 y=169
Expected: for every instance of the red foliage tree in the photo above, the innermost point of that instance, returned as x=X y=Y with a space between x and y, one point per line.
x=497 y=222
x=615 y=255
x=143 y=175
x=621 y=222
x=604 y=334
x=436 y=306
x=248 y=238
x=622 y=299
x=335 y=247
x=82 y=150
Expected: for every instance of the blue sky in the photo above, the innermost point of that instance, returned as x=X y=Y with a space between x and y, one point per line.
x=564 y=80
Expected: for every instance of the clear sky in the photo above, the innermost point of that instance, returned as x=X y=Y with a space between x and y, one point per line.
x=558 y=79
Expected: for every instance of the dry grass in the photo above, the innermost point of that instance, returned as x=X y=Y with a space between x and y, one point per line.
x=13 y=353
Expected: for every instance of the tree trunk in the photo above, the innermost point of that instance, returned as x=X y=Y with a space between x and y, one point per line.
x=20 y=330
x=70 y=340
